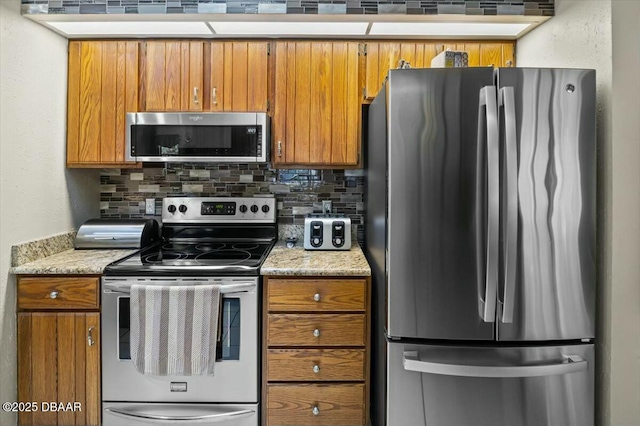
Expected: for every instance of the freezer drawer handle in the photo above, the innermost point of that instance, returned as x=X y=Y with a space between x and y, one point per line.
x=571 y=364
x=150 y=418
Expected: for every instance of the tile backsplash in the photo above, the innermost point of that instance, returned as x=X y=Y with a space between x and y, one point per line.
x=298 y=192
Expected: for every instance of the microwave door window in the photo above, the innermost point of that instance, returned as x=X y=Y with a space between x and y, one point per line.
x=195 y=141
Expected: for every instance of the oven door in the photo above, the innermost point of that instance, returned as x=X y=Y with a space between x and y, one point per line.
x=236 y=372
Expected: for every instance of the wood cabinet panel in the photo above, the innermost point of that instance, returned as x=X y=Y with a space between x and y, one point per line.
x=334 y=404
x=56 y=364
x=298 y=330
x=332 y=294
x=238 y=73
x=174 y=75
x=102 y=87
x=383 y=56
x=317 y=108
x=284 y=365
x=58 y=293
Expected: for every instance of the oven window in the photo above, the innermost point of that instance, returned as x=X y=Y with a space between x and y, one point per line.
x=195 y=141
x=228 y=347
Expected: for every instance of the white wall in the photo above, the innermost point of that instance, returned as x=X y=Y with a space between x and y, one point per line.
x=624 y=327
x=38 y=196
x=605 y=35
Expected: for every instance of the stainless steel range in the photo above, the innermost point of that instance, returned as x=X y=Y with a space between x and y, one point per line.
x=204 y=241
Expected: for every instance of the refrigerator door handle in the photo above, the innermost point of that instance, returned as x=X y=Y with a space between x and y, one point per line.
x=488 y=278
x=571 y=364
x=507 y=100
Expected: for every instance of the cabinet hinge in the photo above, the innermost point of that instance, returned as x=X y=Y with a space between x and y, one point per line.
x=364 y=93
x=268 y=49
x=364 y=49
x=268 y=104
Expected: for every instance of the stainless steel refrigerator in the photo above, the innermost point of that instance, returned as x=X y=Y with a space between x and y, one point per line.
x=480 y=231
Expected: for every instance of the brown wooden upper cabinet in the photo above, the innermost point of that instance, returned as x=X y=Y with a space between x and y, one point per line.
x=316 y=118
x=173 y=76
x=102 y=87
x=205 y=76
x=383 y=56
x=238 y=75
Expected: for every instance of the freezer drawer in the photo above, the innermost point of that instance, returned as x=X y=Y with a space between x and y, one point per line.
x=137 y=413
x=514 y=386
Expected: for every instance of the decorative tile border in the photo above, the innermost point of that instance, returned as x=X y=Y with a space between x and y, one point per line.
x=355 y=7
x=123 y=191
x=35 y=250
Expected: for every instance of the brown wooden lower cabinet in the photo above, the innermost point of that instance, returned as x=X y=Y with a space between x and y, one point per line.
x=58 y=351
x=316 y=351
x=315 y=404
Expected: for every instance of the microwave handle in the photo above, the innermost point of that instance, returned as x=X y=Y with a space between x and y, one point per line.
x=159 y=419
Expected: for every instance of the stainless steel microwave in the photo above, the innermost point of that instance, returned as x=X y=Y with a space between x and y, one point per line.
x=233 y=137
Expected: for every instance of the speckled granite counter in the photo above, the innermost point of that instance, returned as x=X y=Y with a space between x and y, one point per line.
x=298 y=261
x=72 y=262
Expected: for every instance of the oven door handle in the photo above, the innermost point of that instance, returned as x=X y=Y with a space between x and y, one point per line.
x=224 y=288
x=154 y=418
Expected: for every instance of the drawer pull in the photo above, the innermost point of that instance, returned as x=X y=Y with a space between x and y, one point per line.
x=90 y=340
x=316 y=297
x=315 y=411
x=316 y=333
x=53 y=294
x=316 y=369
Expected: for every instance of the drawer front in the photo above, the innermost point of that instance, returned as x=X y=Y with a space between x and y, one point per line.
x=334 y=404
x=317 y=295
x=297 y=365
x=58 y=293
x=316 y=330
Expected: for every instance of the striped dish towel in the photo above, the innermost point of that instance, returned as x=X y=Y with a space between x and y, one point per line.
x=174 y=329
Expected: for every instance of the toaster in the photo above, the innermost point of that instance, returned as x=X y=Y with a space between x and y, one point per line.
x=327 y=232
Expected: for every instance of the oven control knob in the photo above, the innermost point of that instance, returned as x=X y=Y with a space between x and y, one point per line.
x=254 y=209
x=243 y=208
x=171 y=208
x=265 y=209
x=182 y=208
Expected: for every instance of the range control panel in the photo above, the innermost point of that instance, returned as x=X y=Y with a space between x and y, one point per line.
x=218 y=210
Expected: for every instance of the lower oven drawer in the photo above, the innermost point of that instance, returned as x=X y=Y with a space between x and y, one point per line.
x=124 y=414
x=315 y=404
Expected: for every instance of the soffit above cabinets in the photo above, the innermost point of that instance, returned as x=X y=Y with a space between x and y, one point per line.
x=209 y=25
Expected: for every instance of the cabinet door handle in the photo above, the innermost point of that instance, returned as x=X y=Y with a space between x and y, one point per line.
x=279 y=149
x=90 y=340
x=316 y=333
x=214 y=96
x=195 y=95
x=315 y=411
x=53 y=294
x=316 y=369
x=316 y=297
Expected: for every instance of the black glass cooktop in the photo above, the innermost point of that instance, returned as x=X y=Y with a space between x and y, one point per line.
x=189 y=258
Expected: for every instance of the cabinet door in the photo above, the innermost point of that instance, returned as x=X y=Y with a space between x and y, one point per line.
x=238 y=75
x=173 y=76
x=102 y=88
x=383 y=56
x=59 y=361
x=317 y=104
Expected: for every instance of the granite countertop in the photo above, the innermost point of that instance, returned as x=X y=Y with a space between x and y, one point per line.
x=72 y=262
x=298 y=261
